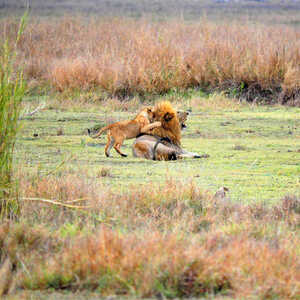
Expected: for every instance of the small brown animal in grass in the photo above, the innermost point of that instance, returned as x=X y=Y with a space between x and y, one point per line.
x=129 y=129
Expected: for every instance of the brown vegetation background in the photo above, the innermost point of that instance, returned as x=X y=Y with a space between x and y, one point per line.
x=126 y=57
x=173 y=240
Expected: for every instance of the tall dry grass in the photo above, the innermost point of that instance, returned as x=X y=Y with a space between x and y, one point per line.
x=125 y=57
x=172 y=240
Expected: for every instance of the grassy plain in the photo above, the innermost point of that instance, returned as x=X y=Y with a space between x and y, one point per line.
x=90 y=226
x=254 y=150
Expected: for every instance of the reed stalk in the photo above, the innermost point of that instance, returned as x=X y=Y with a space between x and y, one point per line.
x=12 y=91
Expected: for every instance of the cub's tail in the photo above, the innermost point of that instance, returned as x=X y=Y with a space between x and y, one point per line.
x=99 y=132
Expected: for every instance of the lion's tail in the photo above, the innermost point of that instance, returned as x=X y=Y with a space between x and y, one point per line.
x=101 y=131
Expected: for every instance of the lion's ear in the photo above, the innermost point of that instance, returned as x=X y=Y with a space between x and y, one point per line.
x=168 y=116
x=151 y=112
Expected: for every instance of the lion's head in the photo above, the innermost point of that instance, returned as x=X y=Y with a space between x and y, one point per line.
x=182 y=117
x=170 y=126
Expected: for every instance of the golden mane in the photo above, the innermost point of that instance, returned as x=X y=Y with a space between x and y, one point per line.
x=170 y=127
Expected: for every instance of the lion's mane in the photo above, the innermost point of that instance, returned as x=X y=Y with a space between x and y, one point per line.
x=170 y=127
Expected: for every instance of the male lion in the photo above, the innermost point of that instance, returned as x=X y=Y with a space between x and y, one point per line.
x=170 y=127
x=120 y=131
x=165 y=143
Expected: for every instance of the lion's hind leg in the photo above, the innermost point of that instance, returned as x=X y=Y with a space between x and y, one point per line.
x=117 y=145
x=186 y=154
x=164 y=152
x=109 y=144
x=142 y=150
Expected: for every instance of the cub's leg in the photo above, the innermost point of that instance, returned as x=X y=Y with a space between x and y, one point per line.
x=109 y=144
x=150 y=126
x=118 y=144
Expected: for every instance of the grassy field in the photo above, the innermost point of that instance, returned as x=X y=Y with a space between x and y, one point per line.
x=87 y=226
x=254 y=151
x=92 y=226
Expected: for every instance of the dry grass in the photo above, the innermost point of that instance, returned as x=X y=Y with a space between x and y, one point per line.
x=125 y=57
x=154 y=264
x=173 y=240
x=215 y=102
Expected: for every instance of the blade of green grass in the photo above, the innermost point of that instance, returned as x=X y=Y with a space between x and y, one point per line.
x=12 y=90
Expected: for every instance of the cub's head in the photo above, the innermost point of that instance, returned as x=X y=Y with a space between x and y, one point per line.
x=148 y=113
x=182 y=118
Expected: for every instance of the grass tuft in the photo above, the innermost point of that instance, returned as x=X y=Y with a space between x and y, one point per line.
x=12 y=90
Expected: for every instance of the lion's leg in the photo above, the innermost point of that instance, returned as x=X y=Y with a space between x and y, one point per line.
x=118 y=144
x=186 y=154
x=150 y=126
x=164 y=152
x=142 y=150
x=109 y=144
x=117 y=147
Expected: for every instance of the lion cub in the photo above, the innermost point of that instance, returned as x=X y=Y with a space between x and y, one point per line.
x=120 y=131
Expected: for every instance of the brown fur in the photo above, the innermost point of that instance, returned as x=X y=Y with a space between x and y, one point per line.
x=151 y=147
x=170 y=126
x=120 y=131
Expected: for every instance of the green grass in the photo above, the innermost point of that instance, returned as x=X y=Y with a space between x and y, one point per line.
x=92 y=226
x=12 y=90
x=254 y=151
